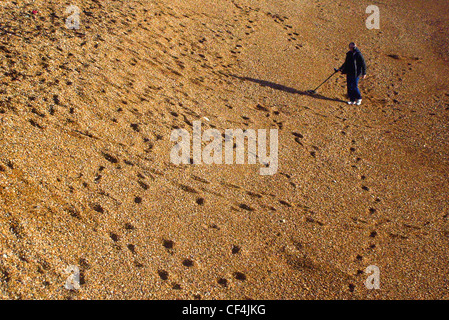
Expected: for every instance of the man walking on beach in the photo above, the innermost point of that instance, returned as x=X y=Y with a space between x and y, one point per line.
x=354 y=67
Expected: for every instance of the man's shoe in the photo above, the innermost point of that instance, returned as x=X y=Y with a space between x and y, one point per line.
x=359 y=102
x=351 y=102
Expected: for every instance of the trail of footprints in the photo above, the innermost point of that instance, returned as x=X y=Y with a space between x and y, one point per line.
x=291 y=36
x=371 y=211
x=170 y=248
x=188 y=263
x=352 y=150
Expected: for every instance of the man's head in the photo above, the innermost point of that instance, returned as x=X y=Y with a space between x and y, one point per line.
x=352 y=46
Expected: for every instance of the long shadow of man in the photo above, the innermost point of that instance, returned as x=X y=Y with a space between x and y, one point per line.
x=281 y=87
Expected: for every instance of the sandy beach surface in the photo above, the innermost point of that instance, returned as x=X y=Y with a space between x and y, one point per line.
x=86 y=178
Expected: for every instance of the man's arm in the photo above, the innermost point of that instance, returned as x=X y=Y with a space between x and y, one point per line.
x=362 y=64
x=342 y=68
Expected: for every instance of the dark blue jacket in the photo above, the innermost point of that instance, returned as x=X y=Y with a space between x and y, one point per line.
x=354 y=64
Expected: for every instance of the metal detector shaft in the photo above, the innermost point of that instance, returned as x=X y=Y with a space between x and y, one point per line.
x=325 y=80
